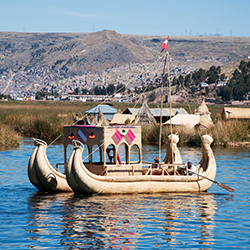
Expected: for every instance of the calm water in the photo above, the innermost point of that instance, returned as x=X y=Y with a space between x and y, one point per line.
x=213 y=220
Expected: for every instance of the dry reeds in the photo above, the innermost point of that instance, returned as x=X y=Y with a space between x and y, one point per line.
x=190 y=137
x=225 y=132
x=8 y=136
x=44 y=121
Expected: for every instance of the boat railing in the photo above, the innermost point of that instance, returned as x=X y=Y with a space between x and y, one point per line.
x=169 y=169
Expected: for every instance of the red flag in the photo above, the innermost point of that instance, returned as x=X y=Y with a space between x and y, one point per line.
x=165 y=44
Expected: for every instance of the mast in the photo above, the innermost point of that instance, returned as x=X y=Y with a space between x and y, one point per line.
x=162 y=84
x=170 y=110
x=165 y=47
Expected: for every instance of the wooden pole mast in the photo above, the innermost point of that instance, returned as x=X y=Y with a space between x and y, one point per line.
x=162 y=84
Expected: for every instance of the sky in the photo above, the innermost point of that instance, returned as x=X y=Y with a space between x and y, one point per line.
x=137 y=17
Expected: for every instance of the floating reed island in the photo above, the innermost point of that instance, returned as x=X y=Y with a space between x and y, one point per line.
x=45 y=120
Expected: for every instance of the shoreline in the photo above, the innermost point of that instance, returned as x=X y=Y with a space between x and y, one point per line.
x=239 y=144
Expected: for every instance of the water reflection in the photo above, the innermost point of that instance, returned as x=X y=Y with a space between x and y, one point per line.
x=194 y=212
x=124 y=222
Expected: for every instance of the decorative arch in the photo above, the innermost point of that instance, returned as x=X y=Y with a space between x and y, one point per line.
x=135 y=156
x=110 y=154
x=95 y=153
x=123 y=153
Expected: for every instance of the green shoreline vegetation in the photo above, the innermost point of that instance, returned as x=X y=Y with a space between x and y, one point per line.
x=45 y=120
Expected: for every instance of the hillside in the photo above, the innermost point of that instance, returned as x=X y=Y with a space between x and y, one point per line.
x=76 y=53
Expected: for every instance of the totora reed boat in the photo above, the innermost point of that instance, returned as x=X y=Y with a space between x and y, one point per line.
x=116 y=177
x=116 y=166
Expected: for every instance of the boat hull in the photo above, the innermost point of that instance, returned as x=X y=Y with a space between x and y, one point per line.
x=82 y=180
x=42 y=175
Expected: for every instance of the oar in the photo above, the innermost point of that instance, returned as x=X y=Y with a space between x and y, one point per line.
x=217 y=183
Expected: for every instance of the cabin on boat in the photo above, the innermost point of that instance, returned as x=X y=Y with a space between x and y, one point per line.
x=110 y=150
x=229 y=113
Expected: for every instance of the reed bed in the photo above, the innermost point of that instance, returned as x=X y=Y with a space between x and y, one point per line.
x=9 y=137
x=223 y=133
x=40 y=120
x=45 y=120
x=189 y=137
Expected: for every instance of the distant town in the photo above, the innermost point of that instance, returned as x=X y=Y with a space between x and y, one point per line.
x=25 y=84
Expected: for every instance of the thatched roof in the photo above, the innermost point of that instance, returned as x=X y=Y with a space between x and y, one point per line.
x=203 y=111
x=144 y=114
x=235 y=113
x=91 y=119
x=186 y=120
x=121 y=118
x=102 y=120
x=189 y=121
x=205 y=122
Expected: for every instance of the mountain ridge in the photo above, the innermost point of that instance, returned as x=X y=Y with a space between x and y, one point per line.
x=77 y=53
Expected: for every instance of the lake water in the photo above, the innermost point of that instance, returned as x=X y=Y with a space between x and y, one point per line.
x=217 y=219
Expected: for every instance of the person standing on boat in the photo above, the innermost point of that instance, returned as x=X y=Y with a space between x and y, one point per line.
x=156 y=161
x=191 y=167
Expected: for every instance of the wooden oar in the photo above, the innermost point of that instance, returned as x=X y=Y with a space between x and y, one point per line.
x=217 y=183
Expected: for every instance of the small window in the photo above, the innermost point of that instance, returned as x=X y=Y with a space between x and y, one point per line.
x=122 y=154
x=97 y=154
x=85 y=154
x=134 y=154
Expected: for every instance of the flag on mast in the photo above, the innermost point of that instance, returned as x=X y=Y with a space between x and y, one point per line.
x=165 y=44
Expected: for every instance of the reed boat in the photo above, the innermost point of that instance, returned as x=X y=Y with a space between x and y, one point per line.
x=111 y=175
x=41 y=173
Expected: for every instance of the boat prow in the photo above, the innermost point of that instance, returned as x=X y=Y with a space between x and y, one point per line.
x=42 y=175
